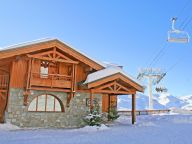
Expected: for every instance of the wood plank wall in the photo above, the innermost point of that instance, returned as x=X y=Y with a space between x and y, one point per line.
x=18 y=75
x=105 y=102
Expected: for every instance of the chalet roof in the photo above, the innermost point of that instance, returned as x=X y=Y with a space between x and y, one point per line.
x=108 y=71
x=16 y=47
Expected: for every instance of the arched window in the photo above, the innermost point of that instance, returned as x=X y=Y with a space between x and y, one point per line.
x=46 y=103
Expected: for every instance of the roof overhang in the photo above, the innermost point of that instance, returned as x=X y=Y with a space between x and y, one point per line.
x=116 y=77
x=33 y=46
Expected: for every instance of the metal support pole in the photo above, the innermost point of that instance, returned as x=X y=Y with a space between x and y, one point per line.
x=150 y=93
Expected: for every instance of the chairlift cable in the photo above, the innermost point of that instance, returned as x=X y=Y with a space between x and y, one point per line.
x=183 y=8
x=183 y=23
x=157 y=56
x=175 y=64
x=160 y=56
x=162 y=51
x=186 y=24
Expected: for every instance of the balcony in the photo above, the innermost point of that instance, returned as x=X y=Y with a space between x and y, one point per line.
x=50 y=80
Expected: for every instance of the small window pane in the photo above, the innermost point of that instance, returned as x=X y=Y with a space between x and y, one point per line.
x=57 y=105
x=44 y=72
x=41 y=103
x=32 y=106
x=50 y=103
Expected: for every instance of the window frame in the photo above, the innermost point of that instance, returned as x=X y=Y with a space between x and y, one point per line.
x=45 y=109
x=44 y=65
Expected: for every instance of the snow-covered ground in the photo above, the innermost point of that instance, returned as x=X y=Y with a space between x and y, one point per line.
x=154 y=129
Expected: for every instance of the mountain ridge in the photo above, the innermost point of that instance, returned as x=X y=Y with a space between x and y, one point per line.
x=160 y=101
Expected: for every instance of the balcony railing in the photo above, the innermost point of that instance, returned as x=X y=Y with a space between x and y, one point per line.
x=51 y=80
x=4 y=81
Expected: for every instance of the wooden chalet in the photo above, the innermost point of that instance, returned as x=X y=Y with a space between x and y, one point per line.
x=47 y=83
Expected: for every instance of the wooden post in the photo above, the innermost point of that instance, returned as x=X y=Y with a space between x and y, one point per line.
x=109 y=103
x=75 y=72
x=91 y=100
x=32 y=62
x=133 y=108
x=72 y=79
x=29 y=73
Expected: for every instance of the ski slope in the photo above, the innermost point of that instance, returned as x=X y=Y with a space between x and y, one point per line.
x=154 y=129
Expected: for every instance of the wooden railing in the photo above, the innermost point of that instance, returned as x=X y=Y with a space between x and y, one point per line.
x=144 y=112
x=51 y=80
x=4 y=81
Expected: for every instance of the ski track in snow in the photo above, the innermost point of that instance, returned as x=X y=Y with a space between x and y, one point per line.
x=154 y=129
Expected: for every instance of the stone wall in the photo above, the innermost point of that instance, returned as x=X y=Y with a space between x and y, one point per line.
x=72 y=117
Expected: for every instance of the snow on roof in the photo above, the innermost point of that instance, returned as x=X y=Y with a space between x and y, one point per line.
x=108 y=64
x=108 y=71
x=28 y=43
x=98 y=62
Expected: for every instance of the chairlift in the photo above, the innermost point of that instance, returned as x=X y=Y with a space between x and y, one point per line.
x=161 y=89
x=176 y=35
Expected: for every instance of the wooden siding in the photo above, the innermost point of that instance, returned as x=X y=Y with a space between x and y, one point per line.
x=18 y=75
x=105 y=102
x=82 y=73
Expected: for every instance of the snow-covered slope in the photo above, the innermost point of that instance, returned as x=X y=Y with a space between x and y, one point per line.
x=161 y=101
x=169 y=101
x=188 y=100
x=124 y=102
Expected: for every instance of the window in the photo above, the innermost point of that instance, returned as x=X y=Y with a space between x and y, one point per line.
x=46 y=103
x=44 y=71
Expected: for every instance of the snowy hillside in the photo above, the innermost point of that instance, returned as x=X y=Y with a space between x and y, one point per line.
x=161 y=101
x=188 y=100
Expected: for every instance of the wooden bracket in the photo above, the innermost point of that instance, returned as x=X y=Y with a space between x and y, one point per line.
x=25 y=99
x=69 y=97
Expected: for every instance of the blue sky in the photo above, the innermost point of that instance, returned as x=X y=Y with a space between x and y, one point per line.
x=126 y=32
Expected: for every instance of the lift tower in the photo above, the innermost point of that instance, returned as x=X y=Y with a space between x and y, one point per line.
x=154 y=76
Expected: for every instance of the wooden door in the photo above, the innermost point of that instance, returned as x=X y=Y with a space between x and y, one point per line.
x=3 y=102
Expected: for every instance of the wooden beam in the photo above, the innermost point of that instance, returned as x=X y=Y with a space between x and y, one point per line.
x=73 y=75
x=133 y=108
x=54 y=53
x=50 y=89
x=75 y=78
x=29 y=73
x=115 y=77
x=111 y=88
x=122 y=87
x=91 y=101
x=115 y=86
x=51 y=59
x=69 y=97
x=78 y=55
x=49 y=55
x=27 y=49
x=105 y=86
x=112 y=92
x=29 y=84
x=43 y=53
x=63 y=56
x=1 y=69
x=109 y=104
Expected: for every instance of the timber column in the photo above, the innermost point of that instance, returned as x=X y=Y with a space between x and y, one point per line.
x=91 y=100
x=133 y=108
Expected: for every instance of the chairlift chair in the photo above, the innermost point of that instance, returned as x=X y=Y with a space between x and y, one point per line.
x=176 y=35
x=161 y=89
